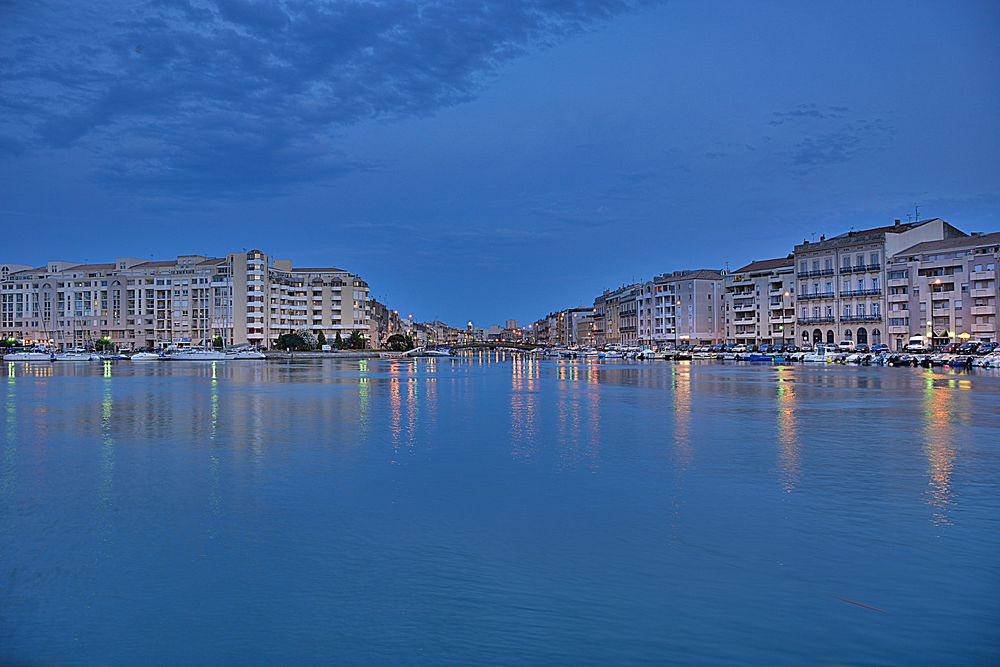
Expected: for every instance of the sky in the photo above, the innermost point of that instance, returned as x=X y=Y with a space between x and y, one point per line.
x=489 y=160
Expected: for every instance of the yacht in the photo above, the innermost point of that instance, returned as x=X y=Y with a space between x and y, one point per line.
x=34 y=354
x=827 y=353
x=76 y=354
x=244 y=352
x=198 y=354
x=146 y=356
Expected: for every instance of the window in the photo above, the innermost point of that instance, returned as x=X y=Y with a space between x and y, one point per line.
x=874 y=258
x=815 y=265
x=876 y=308
x=861 y=310
x=828 y=265
x=859 y=260
x=847 y=310
x=875 y=283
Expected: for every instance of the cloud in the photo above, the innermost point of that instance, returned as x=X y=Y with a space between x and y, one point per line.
x=810 y=111
x=842 y=144
x=230 y=97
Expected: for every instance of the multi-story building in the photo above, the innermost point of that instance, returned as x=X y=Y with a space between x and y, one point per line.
x=620 y=315
x=840 y=280
x=682 y=307
x=242 y=298
x=760 y=303
x=945 y=291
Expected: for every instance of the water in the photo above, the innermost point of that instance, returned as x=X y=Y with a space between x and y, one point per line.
x=498 y=510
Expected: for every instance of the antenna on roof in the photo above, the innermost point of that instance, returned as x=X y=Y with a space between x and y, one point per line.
x=916 y=212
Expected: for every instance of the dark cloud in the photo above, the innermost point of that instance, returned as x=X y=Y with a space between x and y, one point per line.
x=235 y=96
x=807 y=111
x=843 y=143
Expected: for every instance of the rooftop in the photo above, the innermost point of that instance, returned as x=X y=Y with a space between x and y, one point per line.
x=992 y=238
x=767 y=265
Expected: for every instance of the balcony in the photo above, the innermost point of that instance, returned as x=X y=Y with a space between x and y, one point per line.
x=745 y=320
x=743 y=307
x=984 y=310
x=785 y=319
x=872 y=317
x=898 y=282
x=816 y=295
x=984 y=327
x=898 y=298
x=983 y=275
x=862 y=292
x=816 y=273
x=861 y=268
x=816 y=320
x=983 y=292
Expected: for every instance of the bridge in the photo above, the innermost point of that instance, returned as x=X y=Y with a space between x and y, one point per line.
x=495 y=345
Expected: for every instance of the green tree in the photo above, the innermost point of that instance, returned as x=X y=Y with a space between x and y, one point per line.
x=399 y=343
x=356 y=341
x=321 y=340
x=338 y=342
x=218 y=343
x=104 y=344
x=291 y=341
x=8 y=342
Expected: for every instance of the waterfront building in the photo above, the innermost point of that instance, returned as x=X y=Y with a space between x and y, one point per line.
x=760 y=303
x=242 y=298
x=597 y=327
x=840 y=280
x=945 y=291
x=621 y=315
x=681 y=308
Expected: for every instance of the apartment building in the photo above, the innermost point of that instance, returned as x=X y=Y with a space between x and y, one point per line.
x=840 y=281
x=621 y=315
x=945 y=291
x=683 y=307
x=243 y=298
x=759 y=303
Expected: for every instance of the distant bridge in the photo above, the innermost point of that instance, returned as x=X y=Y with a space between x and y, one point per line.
x=495 y=345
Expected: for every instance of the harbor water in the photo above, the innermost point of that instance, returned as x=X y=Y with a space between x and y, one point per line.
x=498 y=509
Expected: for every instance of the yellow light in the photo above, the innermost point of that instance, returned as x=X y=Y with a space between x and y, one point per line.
x=937 y=282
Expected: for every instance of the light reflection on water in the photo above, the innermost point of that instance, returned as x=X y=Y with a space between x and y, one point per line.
x=498 y=508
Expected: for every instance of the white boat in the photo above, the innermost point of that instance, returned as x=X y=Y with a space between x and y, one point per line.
x=823 y=354
x=198 y=354
x=145 y=356
x=28 y=355
x=76 y=355
x=245 y=354
x=437 y=353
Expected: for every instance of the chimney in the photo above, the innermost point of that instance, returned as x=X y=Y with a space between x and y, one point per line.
x=897 y=222
x=822 y=237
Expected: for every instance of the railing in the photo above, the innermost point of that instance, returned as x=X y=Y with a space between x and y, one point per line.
x=816 y=320
x=862 y=292
x=859 y=268
x=815 y=273
x=816 y=295
x=874 y=317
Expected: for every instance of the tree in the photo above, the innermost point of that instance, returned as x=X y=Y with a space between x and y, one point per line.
x=338 y=342
x=8 y=342
x=356 y=341
x=291 y=341
x=321 y=339
x=309 y=337
x=218 y=343
x=399 y=343
x=103 y=344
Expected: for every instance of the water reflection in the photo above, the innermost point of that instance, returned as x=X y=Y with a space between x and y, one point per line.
x=681 y=386
x=788 y=435
x=939 y=406
x=524 y=378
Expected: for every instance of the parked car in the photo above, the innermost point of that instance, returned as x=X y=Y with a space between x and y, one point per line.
x=846 y=346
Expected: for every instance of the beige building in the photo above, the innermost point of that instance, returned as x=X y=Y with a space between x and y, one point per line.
x=760 y=303
x=840 y=281
x=683 y=307
x=620 y=317
x=242 y=298
x=945 y=291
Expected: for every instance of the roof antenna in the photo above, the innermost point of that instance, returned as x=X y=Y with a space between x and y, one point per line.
x=909 y=218
x=916 y=212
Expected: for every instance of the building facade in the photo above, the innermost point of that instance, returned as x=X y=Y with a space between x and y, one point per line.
x=944 y=291
x=840 y=281
x=760 y=303
x=243 y=298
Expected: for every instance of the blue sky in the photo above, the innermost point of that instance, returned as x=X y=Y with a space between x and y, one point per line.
x=489 y=160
